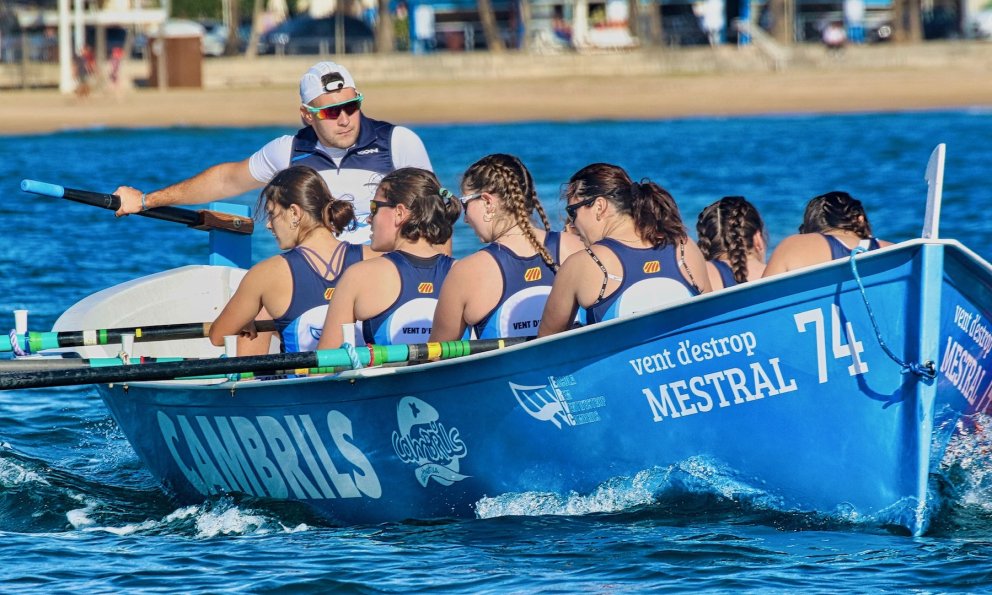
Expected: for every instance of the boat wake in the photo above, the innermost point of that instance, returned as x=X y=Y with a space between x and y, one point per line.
x=966 y=482
x=697 y=488
x=37 y=498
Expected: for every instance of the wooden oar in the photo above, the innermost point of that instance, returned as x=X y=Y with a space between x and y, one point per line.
x=33 y=342
x=202 y=219
x=370 y=355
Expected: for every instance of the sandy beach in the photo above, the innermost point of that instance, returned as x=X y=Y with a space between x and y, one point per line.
x=952 y=82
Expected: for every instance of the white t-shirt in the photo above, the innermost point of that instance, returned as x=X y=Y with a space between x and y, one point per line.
x=356 y=185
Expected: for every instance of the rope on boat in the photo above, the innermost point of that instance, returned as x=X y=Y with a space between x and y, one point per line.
x=927 y=370
x=15 y=346
x=356 y=364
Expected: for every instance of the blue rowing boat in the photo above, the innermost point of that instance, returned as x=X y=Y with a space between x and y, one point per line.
x=833 y=389
x=787 y=382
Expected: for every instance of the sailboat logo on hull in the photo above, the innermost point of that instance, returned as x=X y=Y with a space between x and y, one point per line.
x=554 y=402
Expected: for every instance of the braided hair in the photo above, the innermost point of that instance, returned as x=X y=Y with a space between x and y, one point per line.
x=506 y=177
x=727 y=227
x=836 y=210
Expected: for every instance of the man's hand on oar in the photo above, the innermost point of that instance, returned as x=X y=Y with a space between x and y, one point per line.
x=132 y=201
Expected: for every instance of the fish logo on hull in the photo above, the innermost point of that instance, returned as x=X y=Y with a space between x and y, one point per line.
x=424 y=441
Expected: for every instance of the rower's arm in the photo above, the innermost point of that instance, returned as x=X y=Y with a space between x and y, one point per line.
x=220 y=181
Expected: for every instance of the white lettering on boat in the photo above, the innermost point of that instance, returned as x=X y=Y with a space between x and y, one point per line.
x=681 y=398
x=971 y=323
x=962 y=370
x=688 y=352
x=266 y=457
x=424 y=441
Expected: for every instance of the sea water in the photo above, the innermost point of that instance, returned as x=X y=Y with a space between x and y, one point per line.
x=78 y=512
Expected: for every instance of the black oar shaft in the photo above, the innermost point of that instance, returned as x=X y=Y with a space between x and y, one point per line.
x=257 y=364
x=156 y=371
x=201 y=219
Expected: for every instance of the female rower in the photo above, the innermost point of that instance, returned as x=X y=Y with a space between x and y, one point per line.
x=640 y=255
x=500 y=290
x=834 y=224
x=411 y=218
x=733 y=239
x=295 y=286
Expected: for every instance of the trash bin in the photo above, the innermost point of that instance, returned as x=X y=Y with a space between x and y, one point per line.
x=183 y=55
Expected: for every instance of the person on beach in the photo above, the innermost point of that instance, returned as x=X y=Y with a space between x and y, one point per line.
x=500 y=290
x=395 y=296
x=295 y=286
x=733 y=239
x=350 y=150
x=834 y=224
x=640 y=255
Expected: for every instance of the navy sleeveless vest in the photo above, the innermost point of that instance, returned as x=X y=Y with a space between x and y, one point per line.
x=410 y=317
x=726 y=273
x=651 y=277
x=839 y=250
x=303 y=321
x=526 y=285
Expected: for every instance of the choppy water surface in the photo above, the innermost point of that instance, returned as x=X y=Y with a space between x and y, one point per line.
x=78 y=513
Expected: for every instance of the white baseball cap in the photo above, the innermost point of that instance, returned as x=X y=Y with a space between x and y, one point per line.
x=324 y=77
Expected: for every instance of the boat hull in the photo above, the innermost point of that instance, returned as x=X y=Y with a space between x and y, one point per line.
x=783 y=383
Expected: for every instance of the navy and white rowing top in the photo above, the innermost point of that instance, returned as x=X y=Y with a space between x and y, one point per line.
x=303 y=321
x=526 y=285
x=651 y=277
x=839 y=250
x=351 y=174
x=410 y=317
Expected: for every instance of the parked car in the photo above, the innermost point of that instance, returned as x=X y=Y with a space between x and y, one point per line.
x=307 y=35
x=215 y=37
x=981 y=25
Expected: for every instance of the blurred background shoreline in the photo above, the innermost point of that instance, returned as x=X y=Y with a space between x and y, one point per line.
x=516 y=86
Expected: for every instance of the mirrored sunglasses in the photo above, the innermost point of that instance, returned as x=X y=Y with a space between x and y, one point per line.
x=375 y=205
x=333 y=111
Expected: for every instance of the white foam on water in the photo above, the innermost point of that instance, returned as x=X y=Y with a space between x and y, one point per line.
x=968 y=461
x=697 y=475
x=206 y=520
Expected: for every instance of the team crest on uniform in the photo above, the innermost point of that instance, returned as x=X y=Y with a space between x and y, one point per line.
x=652 y=266
x=532 y=274
x=422 y=440
x=426 y=287
x=328 y=293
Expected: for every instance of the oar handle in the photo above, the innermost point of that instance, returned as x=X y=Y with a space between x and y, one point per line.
x=34 y=342
x=202 y=219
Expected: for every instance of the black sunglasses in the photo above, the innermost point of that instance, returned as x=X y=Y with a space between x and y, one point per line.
x=571 y=209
